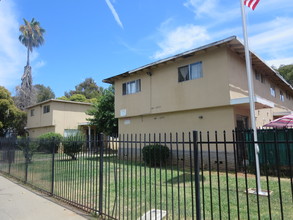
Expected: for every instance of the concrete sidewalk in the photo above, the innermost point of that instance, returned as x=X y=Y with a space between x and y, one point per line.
x=18 y=203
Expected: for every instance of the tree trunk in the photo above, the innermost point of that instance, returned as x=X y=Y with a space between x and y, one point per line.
x=25 y=93
x=28 y=57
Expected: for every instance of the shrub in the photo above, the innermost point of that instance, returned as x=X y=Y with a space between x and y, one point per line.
x=28 y=148
x=155 y=155
x=49 y=140
x=73 y=145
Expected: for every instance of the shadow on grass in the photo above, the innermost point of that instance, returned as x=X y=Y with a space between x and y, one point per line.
x=65 y=160
x=184 y=178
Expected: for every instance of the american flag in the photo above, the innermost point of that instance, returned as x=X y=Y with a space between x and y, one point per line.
x=251 y=3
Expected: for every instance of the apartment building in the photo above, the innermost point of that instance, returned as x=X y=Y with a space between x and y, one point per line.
x=202 y=89
x=63 y=117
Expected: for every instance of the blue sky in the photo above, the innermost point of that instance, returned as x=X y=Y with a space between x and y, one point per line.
x=103 y=38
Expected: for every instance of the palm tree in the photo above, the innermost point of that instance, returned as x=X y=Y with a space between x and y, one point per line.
x=32 y=35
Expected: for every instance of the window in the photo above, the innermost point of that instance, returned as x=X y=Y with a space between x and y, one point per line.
x=273 y=91
x=131 y=87
x=189 y=72
x=282 y=96
x=262 y=78
x=259 y=77
x=46 y=109
x=32 y=112
x=70 y=132
x=288 y=96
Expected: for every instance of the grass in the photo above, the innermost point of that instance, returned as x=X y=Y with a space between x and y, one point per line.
x=130 y=188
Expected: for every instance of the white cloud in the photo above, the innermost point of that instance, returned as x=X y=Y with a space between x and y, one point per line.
x=275 y=39
x=273 y=5
x=115 y=14
x=213 y=12
x=12 y=53
x=201 y=8
x=278 y=62
x=272 y=39
x=181 y=39
x=39 y=64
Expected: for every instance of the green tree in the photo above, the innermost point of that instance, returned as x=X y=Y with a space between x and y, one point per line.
x=78 y=98
x=73 y=145
x=43 y=93
x=103 y=113
x=287 y=72
x=48 y=141
x=63 y=98
x=12 y=120
x=88 y=88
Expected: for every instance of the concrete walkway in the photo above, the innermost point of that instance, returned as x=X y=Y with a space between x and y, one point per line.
x=18 y=203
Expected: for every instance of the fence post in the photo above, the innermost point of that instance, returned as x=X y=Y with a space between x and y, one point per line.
x=9 y=155
x=53 y=167
x=196 y=176
x=27 y=148
x=101 y=174
x=9 y=161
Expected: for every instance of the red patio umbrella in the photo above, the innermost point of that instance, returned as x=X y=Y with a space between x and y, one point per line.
x=283 y=122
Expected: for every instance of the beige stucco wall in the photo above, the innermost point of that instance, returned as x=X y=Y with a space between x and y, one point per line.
x=237 y=76
x=239 y=89
x=36 y=132
x=62 y=115
x=39 y=119
x=208 y=119
x=68 y=116
x=161 y=92
x=202 y=120
x=263 y=116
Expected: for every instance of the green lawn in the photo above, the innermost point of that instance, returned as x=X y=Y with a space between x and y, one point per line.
x=130 y=189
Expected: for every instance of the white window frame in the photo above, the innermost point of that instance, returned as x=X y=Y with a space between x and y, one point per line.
x=282 y=98
x=273 y=91
x=131 y=87
x=191 y=74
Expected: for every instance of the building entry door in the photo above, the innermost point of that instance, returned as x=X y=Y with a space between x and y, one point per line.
x=242 y=122
x=241 y=130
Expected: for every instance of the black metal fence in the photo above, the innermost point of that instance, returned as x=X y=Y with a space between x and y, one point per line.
x=207 y=175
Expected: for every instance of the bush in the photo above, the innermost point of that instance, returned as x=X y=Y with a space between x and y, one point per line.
x=49 y=140
x=73 y=145
x=155 y=155
x=28 y=148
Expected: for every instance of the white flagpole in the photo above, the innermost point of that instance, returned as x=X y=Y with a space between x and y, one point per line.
x=251 y=96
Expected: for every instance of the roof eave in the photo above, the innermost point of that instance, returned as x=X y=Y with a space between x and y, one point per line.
x=112 y=79
x=239 y=50
x=58 y=100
